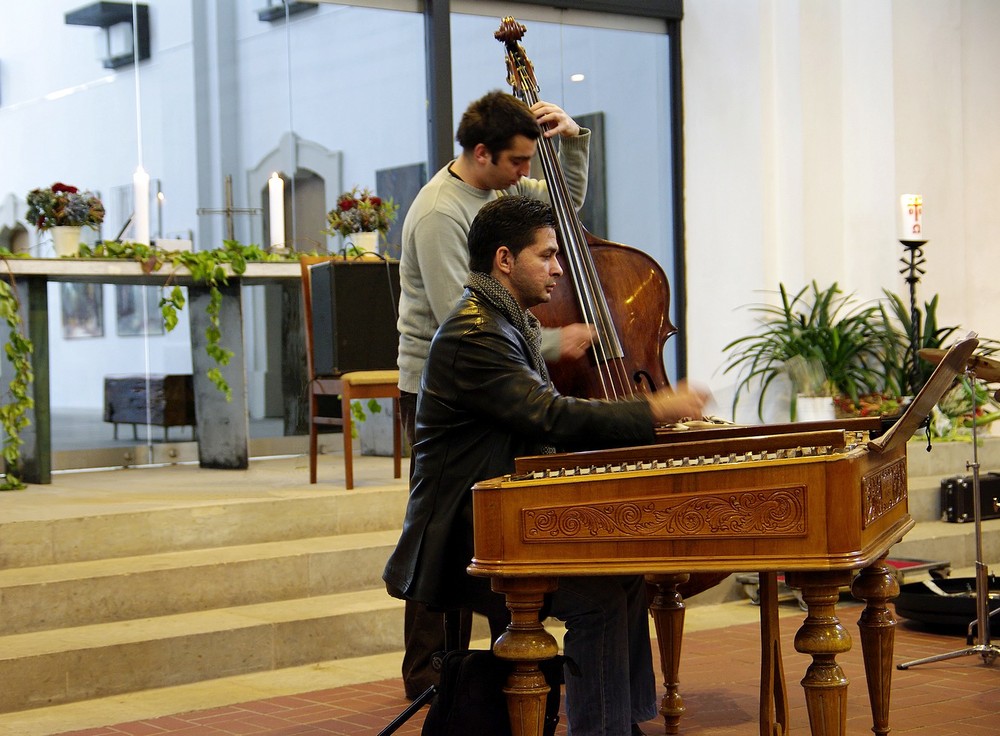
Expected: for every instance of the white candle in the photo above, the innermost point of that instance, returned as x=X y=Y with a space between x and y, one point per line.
x=911 y=208
x=140 y=213
x=276 y=209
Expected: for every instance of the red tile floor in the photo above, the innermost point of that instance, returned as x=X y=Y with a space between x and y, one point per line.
x=719 y=683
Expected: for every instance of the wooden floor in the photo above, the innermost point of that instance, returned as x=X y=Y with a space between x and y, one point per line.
x=719 y=683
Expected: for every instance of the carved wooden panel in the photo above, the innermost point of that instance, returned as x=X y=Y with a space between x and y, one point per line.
x=775 y=512
x=882 y=490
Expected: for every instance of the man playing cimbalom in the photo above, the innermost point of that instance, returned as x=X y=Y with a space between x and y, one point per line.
x=485 y=399
x=499 y=135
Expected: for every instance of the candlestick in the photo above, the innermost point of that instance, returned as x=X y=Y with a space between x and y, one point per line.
x=140 y=204
x=276 y=210
x=913 y=262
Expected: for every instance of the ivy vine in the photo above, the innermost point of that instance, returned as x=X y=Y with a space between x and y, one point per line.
x=207 y=267
x=14 y=413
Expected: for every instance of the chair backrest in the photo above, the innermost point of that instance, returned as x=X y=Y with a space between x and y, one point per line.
x=304 y=263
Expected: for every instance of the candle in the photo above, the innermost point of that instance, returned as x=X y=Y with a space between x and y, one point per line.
x=140 y=212
x=912 y=210
x=276 y=209
x=159 y=215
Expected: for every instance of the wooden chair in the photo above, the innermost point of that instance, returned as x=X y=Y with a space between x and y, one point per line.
x=350 y=386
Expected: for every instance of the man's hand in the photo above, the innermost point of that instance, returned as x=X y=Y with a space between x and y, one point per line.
x=574 y=340
x=683 y=402
x=562 y=124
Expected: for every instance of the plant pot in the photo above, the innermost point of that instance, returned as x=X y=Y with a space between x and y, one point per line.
x=66 y=239
x=375 y=432
x=814 y=408
x=364 y=242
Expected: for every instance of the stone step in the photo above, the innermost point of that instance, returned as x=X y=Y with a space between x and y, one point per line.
x=954 y=543
x=924 y=497
x=119 y=589
x=99 y=531
x=73 y=664
x=949 y=458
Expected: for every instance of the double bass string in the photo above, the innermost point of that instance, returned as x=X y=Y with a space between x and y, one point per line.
x=593 y=306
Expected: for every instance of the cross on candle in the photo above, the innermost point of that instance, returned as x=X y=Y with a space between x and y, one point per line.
x=912 y=207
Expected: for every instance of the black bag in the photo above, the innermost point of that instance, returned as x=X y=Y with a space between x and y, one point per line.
x=957 y=501
x=470 y=698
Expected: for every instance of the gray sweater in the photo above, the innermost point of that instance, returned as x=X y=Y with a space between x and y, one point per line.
x=435 y=255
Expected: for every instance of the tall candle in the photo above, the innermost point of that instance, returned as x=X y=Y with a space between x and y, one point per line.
x=276 y=209
x=912 y=210
x=140 y=199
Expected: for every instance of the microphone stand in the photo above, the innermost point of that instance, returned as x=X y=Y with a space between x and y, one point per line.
x=982 y=623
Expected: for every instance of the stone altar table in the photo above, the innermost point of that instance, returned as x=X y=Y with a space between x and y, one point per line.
x=222 y=427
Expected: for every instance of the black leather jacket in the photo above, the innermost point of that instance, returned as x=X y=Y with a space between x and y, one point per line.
x=481 y=404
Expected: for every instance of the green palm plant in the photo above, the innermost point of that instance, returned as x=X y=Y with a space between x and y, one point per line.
x=898 y=325
x=821 y=330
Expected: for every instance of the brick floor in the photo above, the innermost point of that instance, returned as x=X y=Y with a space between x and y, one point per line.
x=719 y=684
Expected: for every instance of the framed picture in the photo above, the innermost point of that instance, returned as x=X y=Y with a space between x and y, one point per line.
x=138 y=310
x=82 y=310
x=402 y=184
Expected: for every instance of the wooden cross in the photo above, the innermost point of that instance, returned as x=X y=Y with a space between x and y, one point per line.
x=229 y=211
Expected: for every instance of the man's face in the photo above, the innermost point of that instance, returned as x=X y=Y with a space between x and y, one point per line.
x=535 y=270
x=512 y=164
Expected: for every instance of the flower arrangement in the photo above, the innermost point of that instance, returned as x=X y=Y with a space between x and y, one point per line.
x=361 y=212
x=62 y=204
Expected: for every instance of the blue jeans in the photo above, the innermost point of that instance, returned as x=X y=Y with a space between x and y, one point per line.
x=607 y=636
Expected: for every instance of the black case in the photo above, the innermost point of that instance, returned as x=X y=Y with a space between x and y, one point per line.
x=956 y=497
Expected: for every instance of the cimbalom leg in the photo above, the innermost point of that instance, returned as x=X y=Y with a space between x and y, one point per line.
x=667 y=608
x=876 y=585
x=525 y=643
x=822 y=637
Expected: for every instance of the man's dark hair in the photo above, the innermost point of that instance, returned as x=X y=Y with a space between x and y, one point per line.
x=494 y=120
x=510 y=221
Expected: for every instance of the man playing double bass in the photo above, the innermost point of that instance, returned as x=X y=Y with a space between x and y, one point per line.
x=499 y=135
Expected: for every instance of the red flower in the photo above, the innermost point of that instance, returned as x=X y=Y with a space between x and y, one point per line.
x=60 y=187
x=347 y=203
x=375 y=201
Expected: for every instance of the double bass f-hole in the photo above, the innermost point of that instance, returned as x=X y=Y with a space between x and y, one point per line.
x=636 y=277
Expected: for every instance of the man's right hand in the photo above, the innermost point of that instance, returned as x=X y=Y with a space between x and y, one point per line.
x=681 y=402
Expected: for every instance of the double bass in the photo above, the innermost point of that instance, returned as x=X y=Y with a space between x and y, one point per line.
x=618 y=289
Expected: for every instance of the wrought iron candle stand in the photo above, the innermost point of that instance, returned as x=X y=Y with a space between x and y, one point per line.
x=913 y=261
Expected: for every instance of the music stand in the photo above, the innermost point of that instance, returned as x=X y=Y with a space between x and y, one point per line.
x=988 y=650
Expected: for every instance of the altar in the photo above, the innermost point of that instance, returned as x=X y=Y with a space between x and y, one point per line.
x=222 y=426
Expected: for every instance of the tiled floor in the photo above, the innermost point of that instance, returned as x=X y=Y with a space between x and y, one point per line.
x=719 y=682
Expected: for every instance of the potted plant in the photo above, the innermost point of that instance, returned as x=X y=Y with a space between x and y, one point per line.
x=65 y=210
x=952 y=418
x=818 y=340
x=360 y=216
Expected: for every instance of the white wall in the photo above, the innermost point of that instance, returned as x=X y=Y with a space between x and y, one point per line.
x=804 y=122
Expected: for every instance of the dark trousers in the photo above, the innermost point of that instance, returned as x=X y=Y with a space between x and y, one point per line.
x=423 y=629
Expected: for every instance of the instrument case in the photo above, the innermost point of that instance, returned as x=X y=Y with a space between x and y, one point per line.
x=957 y=502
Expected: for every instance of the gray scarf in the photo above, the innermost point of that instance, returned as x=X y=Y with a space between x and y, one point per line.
x=525 y=322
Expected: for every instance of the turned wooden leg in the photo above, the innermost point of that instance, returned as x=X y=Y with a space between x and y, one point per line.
x=667 y=607
x=525 y=643
x=876 y=585
x=773 y=693
x=822 y=637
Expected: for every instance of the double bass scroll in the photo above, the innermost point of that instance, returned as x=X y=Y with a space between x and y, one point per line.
x=620 y=290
